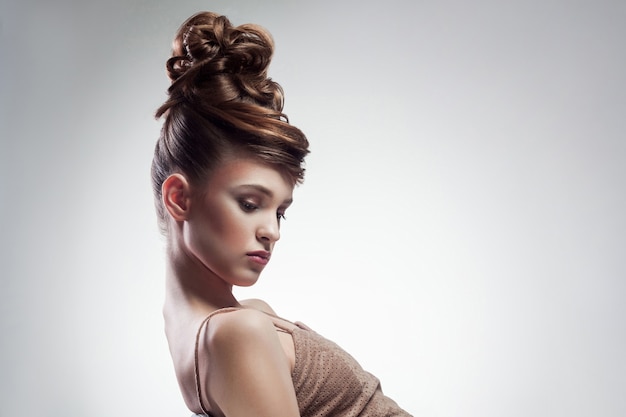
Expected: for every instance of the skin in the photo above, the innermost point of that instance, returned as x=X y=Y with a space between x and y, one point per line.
x=215 y=231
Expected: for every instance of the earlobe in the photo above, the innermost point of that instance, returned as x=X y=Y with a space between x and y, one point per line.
x=176 y=196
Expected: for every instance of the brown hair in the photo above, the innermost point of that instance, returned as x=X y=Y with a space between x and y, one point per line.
x=221 y=102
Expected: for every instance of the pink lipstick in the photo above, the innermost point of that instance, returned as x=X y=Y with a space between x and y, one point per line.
x=261 y=257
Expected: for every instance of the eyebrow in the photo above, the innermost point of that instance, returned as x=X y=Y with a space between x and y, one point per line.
x=264 y=190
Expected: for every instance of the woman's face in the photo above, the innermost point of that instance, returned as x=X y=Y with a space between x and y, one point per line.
x=234 y=220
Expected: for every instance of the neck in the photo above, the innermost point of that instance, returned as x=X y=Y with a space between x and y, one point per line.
x=191 y=287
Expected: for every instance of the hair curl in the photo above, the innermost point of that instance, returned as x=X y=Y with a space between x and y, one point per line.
x=221 y=102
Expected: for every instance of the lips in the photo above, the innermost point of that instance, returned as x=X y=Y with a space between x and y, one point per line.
x=261 y=257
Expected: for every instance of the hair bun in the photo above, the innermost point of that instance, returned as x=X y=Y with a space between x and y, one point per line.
x=220 y=62
x=220 y=103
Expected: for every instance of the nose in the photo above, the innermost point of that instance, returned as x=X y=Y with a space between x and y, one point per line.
x=269 y=230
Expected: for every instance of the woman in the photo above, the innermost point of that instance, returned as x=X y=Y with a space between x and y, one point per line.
x=223 y=174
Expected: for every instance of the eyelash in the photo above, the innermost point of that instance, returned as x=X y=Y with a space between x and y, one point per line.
x=249 y=207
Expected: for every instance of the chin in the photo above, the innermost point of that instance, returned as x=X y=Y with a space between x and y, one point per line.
x=246 y=281
x=244 y=284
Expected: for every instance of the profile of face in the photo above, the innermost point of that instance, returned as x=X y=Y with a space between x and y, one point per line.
x=232 y=221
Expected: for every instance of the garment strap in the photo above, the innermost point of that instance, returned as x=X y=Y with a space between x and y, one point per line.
x=196 y=356
x=275 y=320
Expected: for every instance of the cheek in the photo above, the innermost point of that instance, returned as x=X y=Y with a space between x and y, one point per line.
x=234 y=234
x=227 y=224
x=219 y=233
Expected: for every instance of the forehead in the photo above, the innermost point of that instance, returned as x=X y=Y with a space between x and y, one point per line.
x=236 y=172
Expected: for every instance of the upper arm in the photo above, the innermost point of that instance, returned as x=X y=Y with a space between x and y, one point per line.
x=249 y=374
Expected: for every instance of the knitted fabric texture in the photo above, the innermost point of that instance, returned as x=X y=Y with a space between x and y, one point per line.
x=328 y=381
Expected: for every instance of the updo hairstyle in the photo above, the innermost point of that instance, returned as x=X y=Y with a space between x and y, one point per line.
x=221 y=103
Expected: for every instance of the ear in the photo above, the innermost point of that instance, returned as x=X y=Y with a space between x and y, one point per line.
x=176 y=193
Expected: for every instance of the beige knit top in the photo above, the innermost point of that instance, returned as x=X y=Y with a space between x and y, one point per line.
x=329 y=382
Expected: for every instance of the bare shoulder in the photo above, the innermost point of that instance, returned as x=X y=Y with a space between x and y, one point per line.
x=258 y=304
x=240 y=331
x=249 y=373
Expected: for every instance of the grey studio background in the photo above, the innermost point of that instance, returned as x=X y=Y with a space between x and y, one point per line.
x=461 y=230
